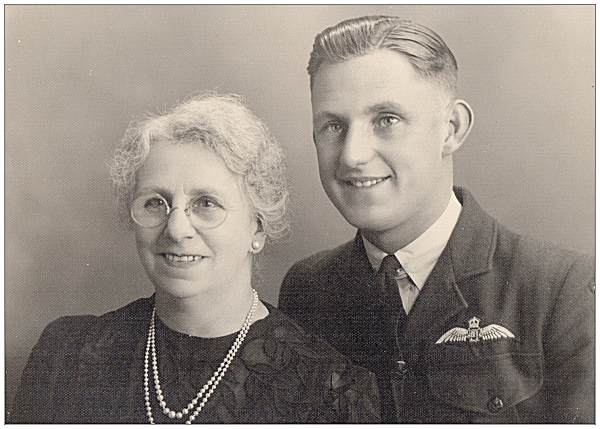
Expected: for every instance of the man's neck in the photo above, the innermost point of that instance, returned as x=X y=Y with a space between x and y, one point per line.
x=396 y=238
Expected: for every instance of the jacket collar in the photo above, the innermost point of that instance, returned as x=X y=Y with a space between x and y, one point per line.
x=470 y=249
x=354 y=272
x=469 y=252
x=473 y=241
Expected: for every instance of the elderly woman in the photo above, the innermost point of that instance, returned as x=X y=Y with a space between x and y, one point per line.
x=203 y=187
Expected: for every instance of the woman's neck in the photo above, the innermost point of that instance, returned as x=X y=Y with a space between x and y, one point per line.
x=207 y=315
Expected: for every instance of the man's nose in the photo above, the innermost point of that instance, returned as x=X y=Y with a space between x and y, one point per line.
x=357 y=147
x=179 y=225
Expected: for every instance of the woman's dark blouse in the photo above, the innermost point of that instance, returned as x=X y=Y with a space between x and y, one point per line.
x=87 y=369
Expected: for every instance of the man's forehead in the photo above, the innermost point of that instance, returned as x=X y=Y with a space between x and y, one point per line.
x=378 y=68
x=369 y=82
x=375 y=58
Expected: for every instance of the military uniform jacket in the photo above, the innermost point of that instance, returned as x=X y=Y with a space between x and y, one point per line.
x=486 y=279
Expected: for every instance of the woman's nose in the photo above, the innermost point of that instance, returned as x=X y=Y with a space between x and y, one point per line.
x=179 y=225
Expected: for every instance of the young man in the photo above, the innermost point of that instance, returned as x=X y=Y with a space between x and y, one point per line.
x=463 y=320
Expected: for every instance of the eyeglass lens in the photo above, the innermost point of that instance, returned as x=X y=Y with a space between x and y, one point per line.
x=153 y=210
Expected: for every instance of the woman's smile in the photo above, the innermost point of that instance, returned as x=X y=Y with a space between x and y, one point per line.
x=181 y=260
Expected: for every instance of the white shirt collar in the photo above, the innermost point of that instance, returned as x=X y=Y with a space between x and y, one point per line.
x=420 y=256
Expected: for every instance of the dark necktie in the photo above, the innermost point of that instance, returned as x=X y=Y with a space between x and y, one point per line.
x=388 y=331
x=393 y=315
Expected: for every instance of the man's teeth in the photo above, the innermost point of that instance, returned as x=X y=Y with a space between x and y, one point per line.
x=184 y=258
x=365 y=183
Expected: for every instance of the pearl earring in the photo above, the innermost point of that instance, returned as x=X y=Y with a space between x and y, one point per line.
x=255 y=246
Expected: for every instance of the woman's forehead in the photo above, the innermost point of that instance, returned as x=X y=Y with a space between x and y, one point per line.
x=190 y=167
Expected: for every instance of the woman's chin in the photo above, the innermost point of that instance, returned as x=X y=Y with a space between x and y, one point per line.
x=179 y=288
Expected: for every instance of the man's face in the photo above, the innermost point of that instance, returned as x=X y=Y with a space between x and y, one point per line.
x=379 y=129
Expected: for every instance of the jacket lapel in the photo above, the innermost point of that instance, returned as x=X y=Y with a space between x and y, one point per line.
x=355 y=274
x=469 y=253
x=352 y=316
x=439 y=301
x=473 y=241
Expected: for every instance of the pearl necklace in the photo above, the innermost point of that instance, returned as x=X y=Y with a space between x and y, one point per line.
x=208 y=388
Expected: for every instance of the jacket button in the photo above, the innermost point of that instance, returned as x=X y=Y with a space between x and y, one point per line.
x=495 y=405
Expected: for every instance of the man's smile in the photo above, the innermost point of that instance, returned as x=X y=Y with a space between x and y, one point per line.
x=364 y=182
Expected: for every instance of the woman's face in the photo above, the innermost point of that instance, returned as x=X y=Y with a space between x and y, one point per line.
x=181 y=257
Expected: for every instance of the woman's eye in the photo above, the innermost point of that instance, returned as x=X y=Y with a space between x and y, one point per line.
x=387 y=121
x=205 y=202
x=154 y=204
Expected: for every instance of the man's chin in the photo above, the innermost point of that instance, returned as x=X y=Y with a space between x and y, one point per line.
x=366 y=220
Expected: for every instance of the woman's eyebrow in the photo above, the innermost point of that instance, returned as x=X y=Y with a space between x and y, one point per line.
x=157 y=189
x=203 y=190
x=166 y=192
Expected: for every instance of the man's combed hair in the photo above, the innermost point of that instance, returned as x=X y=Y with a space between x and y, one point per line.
x=223 y=124
x=425 y=50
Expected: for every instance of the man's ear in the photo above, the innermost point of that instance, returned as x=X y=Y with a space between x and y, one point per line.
x=459 y=126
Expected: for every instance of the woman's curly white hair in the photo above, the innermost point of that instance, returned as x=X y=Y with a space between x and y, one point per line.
x=223 y=124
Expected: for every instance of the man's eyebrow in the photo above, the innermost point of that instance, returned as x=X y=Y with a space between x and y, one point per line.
x=385 y=106
x=321 y=116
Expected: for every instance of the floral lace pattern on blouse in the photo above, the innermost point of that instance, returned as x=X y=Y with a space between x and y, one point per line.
x=88 y=369
x=277 y=376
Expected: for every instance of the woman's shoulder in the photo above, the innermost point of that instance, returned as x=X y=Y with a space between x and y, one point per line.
x=72 y=331
x=75 y=351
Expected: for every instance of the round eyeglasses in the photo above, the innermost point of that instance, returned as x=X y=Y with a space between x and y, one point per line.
x=151 y=210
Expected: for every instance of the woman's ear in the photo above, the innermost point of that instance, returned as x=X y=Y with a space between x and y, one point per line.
x=459 y=126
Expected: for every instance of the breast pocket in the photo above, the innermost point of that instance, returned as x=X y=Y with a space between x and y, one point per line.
x=487 y=390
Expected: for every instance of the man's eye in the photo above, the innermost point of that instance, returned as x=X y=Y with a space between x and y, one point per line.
x=333 y=127
x=387 y=121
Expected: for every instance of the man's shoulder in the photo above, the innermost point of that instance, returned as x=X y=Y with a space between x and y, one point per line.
x=313 y=351
x=480 y=241
x=295 y=337
x=541 y=257
x=324 y=260
x=339 y=390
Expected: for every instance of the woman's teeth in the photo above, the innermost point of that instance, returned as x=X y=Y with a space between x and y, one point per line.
x=183 y=258
x=365 y=183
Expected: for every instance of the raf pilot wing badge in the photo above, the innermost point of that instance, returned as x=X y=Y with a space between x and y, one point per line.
x=474 y=333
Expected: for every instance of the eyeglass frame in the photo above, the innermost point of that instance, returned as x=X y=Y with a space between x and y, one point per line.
x=170 y=210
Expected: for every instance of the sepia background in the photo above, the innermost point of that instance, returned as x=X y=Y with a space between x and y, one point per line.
x=75 y=76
